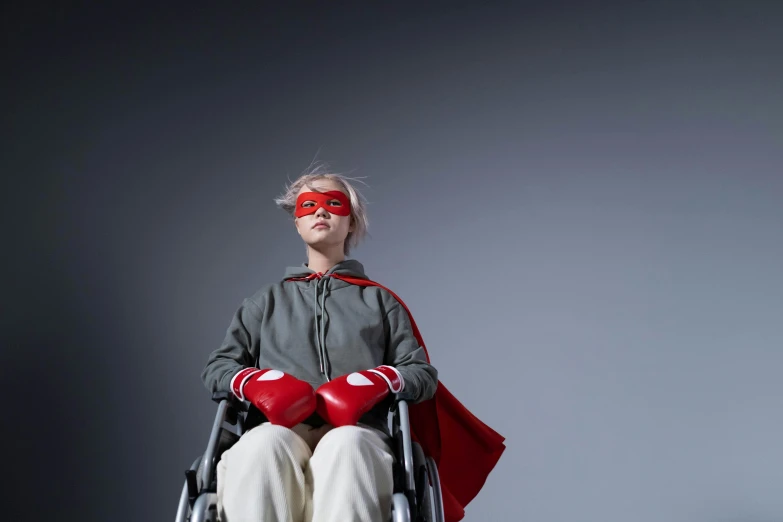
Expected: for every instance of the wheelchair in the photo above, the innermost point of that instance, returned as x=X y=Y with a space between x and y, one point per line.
x=417 y=493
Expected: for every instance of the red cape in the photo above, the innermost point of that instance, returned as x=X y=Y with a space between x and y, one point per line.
x=464 y=448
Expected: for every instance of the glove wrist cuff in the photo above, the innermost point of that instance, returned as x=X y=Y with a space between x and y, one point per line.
x=239 y=379
x=392 y=377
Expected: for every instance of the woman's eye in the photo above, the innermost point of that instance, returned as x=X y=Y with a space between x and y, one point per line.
x=335 y=203
x=307 y=204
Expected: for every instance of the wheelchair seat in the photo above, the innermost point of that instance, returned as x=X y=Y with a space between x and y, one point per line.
x=417 y=495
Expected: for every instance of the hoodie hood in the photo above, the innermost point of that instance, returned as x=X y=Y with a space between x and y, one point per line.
x=347 y=267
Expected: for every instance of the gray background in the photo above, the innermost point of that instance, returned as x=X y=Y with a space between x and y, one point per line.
x=581 y=204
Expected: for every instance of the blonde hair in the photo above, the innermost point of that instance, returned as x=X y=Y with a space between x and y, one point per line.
x=317 y=171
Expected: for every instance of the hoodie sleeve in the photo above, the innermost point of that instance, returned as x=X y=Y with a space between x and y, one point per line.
x=404 y=353
x=237 y=350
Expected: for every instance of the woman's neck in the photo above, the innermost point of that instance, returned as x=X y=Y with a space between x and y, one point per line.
x=321 y=262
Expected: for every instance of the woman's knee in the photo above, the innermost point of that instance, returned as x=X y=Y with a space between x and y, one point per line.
x=351 y=457
x=349 y=439
x=268 y=441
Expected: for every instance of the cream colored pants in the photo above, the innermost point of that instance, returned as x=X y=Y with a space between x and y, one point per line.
x=276 y=474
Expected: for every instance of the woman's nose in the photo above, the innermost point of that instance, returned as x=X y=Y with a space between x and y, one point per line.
x=321 y=212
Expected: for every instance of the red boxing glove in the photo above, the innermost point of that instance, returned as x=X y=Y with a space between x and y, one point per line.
x=342 y=401
x=282 y=398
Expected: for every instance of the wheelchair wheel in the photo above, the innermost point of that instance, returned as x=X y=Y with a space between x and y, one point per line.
x=423 y=488
x=204 y=508
x=438 y=514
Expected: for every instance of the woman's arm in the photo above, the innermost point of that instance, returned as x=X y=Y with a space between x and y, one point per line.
x=404 y=353
x=236 y=351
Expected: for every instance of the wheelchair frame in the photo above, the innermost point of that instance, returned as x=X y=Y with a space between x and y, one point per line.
x=417 y=494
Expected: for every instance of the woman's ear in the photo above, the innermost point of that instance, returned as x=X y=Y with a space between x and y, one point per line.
x=296 y=225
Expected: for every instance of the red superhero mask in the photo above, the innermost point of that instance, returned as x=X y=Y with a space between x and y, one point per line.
x=323 y=199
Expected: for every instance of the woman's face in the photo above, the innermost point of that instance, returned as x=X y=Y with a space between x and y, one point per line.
x=323 y=229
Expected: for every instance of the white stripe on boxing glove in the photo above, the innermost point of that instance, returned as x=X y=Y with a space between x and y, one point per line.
x=380 y=370
x=238 y=381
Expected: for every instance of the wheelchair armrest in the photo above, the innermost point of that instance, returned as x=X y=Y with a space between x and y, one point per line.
x=401 y=431
x=403 y=396
x=235 y=403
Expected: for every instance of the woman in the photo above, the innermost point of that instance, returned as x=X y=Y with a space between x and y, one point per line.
x=320 y=358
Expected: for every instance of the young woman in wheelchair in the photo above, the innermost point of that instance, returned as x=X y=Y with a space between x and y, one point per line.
x=319 y=358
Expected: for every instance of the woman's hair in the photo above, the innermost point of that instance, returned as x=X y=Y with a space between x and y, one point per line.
x=316 y=171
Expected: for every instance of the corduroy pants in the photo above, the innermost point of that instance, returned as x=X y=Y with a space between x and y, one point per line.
x=276 y=474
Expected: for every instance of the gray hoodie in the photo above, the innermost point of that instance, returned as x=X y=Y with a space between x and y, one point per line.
x=320 y=329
